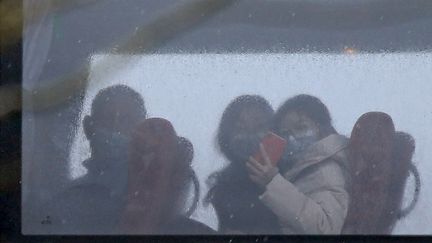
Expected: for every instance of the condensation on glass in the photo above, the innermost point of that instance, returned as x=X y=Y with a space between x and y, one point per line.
x=146 y=117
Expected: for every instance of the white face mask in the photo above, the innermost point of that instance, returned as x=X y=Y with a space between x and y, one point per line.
x=306 y=133
x=300 y=142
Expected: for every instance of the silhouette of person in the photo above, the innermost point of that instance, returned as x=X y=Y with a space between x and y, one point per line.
x=92 y=204
x=309 y=192
x=233 y=194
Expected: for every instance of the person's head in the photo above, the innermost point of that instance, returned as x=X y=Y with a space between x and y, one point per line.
x=244 y=122
x=115 y=112
x=304 y=119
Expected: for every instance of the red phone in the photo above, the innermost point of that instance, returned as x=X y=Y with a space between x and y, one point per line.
x=274 y=145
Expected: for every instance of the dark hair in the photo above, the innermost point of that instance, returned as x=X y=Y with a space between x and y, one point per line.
x=120 y=90
x=186 y=150
x=230 y=190
x=186 y=156
x=310 y=106
x=231 y=115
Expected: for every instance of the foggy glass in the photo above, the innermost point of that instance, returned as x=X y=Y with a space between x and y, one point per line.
x=188 y=60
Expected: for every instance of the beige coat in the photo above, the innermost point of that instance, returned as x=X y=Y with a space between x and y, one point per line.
x=311 y=197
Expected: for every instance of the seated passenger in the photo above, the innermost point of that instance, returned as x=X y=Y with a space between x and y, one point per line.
x=233 y=194
x=92 y=204
x=307 y=192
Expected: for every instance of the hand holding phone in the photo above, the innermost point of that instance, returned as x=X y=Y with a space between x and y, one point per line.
x=274 y=145
x=262 y=167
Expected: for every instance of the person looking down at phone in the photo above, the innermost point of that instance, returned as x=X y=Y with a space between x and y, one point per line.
x=233 y=194
x=307 y=190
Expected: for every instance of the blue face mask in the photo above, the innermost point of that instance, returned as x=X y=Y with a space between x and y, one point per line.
x=110 y=159
x=111 y=146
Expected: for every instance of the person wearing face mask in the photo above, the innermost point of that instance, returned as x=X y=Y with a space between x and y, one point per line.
x=307 y=191
x=92 y=204
x=232 y=193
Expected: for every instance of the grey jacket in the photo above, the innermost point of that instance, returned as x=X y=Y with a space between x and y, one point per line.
x=311 y=197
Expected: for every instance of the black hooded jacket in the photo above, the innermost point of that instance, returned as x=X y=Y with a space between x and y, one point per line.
x=235 y=199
